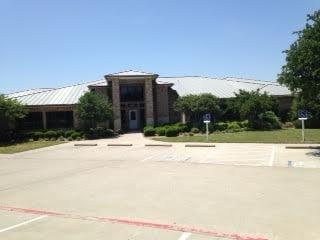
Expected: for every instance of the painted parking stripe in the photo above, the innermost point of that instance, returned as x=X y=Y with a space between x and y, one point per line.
x=272 y=156
x=133 y=222
x=184 y=236
x=23 y=223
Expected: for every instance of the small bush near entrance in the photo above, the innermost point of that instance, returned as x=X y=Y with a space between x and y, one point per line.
x=161 y=131
x=75 y=135
x=172 y=132
x=37 y=135
x=221 y=126
x=195 y=130
x=266 y=121
x=60 y=133
x=68 y=133
x=50 y=134
x=99 y=132
x=149 y=131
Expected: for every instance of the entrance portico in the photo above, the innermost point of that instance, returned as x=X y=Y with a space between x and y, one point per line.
x=132 y=99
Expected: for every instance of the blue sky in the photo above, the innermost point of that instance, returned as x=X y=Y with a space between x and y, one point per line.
x=60 y=42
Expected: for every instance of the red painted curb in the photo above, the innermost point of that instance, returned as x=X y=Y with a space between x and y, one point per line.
x=171 y=227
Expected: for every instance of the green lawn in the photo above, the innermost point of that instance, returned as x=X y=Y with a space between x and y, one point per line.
x=276 y=136
x=25 y=146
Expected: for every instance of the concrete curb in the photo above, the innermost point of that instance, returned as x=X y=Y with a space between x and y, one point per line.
x=119 y=144
x=158 y=145
x=302 y=147
x=85 y=144
x=199 y=145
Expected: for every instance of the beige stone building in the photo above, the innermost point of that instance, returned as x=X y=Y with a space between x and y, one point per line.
x=138 y=98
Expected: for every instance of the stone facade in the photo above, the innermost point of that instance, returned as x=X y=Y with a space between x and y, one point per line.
x=138 y=99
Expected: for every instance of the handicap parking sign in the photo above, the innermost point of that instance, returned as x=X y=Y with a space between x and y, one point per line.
x=207 y=117
x=302 y=114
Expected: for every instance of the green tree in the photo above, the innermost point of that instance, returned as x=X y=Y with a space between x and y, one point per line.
x=195 y=106
x=10 y=112
x=93 y=108
x=301 y=73
x=253 y=106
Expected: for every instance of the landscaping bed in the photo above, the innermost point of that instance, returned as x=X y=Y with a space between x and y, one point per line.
x=274 y=136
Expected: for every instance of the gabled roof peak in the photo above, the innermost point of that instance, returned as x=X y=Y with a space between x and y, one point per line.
x=132 y=73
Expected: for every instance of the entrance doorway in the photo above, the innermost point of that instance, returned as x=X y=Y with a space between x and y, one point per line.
x=133 y=119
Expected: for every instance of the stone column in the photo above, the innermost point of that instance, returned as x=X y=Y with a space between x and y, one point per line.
x=76 y=121
x=44 y=120
x=116 y=104
x=148 y=94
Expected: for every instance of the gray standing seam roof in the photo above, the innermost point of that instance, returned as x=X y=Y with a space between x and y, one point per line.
x=57 y=96
x=220 y=87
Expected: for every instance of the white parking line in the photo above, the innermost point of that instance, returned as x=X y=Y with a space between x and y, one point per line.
x=23 y=223
x=271 y=160
x=184 y=236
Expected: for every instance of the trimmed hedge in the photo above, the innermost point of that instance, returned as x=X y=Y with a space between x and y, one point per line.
x=37 y=135
x=68 y=133
x=50 y=134
x=161 y=131
x=75 y=135
x=99 y=132
x=172 y=132
x=149 y=131
x=195 y=130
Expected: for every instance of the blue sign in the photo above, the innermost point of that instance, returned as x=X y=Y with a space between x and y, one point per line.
x=207 y=117
x=302 y=113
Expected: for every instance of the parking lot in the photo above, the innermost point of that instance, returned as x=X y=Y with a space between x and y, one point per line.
x=230 y=191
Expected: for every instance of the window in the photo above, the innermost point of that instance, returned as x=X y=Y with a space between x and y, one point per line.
x=59 y=119
x=131 y=93
x=33 y=120
x=133 y=115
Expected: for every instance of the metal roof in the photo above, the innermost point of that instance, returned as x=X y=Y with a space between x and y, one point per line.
x=131 y=73
x=27 y=92
x=220 y=87
x=58 y=96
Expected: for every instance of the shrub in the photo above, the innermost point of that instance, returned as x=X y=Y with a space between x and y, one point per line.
x=233 y=126
x=195 y=130
x=50 y=134
x=37 y=135
x=221 y=126
x=271 y=118
x=172 y=132
x=60 y=133
x=288 y=125
x=243 y=124
x=149 y=131
x=97 y=133
x=191 y=134
x=182 y=127
x=60 y=138
x=68 y=133
x=75 y=135
x=161 y=131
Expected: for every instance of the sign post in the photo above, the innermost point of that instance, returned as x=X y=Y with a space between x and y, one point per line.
x=207 y=120
x=302 y=114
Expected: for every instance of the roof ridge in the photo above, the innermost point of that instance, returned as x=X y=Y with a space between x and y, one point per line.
x=251 y=79
x=130 y=70
x=27 y=90
x=235 y=79
x=53 y=89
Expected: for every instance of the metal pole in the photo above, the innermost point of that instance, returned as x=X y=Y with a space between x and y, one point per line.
x=302 y=121
x=207 y=131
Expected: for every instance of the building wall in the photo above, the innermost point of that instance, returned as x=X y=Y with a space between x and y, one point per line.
x=162 y=104
x=173 y=115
